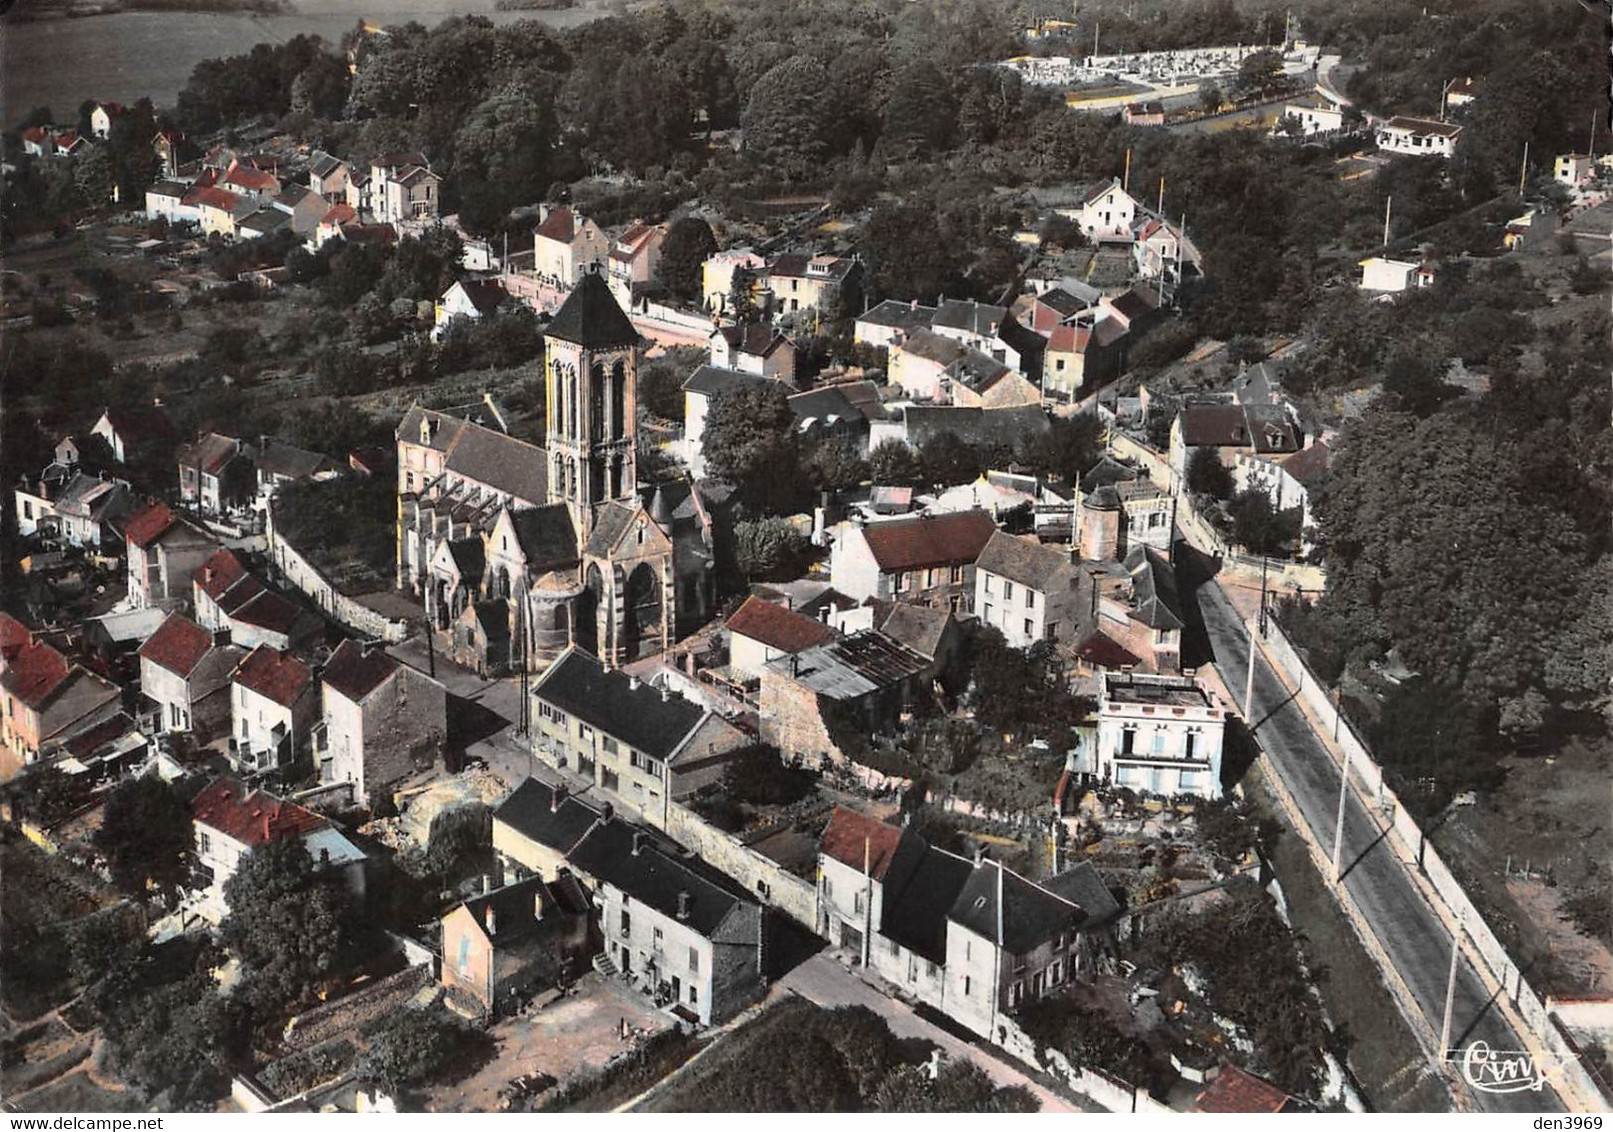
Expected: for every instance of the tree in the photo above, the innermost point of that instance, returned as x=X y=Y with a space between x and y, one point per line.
x=959 y=1086
x=1258 y=74
x=460 y=841
x=288 y=924
x=1067 y=449
x=689 y=243
x=835 y=466
x=1206 y=475
x=418 y=1046
x=894 y=464
x=945 y=460
x=1210 y=98
x=750 y=438
x=1416 y=377
x=768 y=548
x=179 y=1040
x=920 y=115
x=146 y=837
x=786 y=120
x=1259 y=526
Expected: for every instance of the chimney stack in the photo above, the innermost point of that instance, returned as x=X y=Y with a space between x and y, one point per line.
x=487 y=884
x=638 y=843
x=607 y=811
x=980 y=855
x=537 y=904
x=556 y=796
x=632 y=682
x=490 y=918
x=683 y=905
x=666 y=693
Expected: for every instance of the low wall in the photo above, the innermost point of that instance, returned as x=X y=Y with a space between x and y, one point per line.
x=762 y=876
x=302 y=575
x=1415 y=851
x=1113 y=1094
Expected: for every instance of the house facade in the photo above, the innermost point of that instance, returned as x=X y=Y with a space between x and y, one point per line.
x=501 y=946
x=566 y=246
x=1417 y=136
x=162 y=553
x=382 y=721
x=1027 y=591
x=759 y=632
x=926 y=560
x=46 y=699
x=185 y=672
x=1159 y=735
x=274 y=705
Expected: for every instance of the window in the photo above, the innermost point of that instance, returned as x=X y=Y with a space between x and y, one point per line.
x=655 y=941
x=609 y=780
x=967 y=948
x=694 y=996
x=1030 y=629
x=551 y=713
x=989 y=589
x=1190 y=744
x=27 y=510
x=929 y=968
x=857 y=902
x=1052 y=632
x=828 y=889
x=204 y=844
x=896 y=948
x=968 y=986
x=1128 y=740
x=1189 y=781
x=902 y=582
x=1008 y=589
x=956 y=575
x=764 y=890
x=626 y=924
x=585 y=733
x=988 y=612
x=611 y=747
x=464 y=954
x=1158 y=746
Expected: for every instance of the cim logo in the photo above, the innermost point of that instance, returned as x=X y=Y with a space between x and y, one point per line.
x=1501 y=1070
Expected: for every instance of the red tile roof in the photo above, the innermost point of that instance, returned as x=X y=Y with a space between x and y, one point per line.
x=855 y=840
x=35 y=673
x=356 y=671
x=903 y=544
x=339 y=214
x=144 y=527
x=559 y=225
x=213 y=198
x=1309 y=464
x=273 y=674
x=254 y=818
x=218 y=573
x=1102 y=650
x=781 y=628
x=1069 y=339
x=178 y=645
x=13 y=635
x=1233 y=1090
x=254 y=179
x=35 y=134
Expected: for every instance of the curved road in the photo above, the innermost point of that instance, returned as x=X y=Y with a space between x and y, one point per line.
x=1409 y=930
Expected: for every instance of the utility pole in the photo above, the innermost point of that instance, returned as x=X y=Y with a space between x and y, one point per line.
x=1388 y=204
x=1264 y=562
x=1450 y=990
x=1249 y=684
x=1590 y=149
x=431 y=652
x=1523 y=170
x=1125 y=178
x=1160 y=208
x=1338 y=827
x=1338 y=708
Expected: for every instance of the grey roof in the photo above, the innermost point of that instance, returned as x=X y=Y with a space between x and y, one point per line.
x=1082 y=885
x=323 y=164
x=933 y=347
x=1040 y=567
x=1002 y=427
x=282 y=459
x=915 y=914
x=822 y=404
x=503 y=463
x=655 y=876
x=265 y=220
x=514 y=909
x=611 y=521
x=1153 y=588
x=546 y=535
x=1106 y=472
x=712 y=380
x=494 y=618
x=918 y=627
x=470 y=556
x=966 y=314
x=592 y=318
x=852 y=667
x=1031 y=915
x=618 y=704
x=902 y=316
x=534 y=812
x=1257 y=385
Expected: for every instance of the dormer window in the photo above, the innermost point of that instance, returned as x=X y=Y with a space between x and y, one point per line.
x=425 y=430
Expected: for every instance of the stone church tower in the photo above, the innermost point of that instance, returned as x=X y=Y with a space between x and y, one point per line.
x=591 y=374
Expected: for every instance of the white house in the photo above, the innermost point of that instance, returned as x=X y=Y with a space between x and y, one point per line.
x=566 y=245
x=760 y=632
x=890 y=322
x=1314 y=115
x=468 y=299
x=1392 y=276
x=1159 y=735
x=1026 y=590
x=166 y=199
x=1417 y=136
x=274 y=704
x=185 y=671
x=382 y=720
x=1107 y=212
x=704 y=386
x=229 y=821
x=755 y=349
x=102 y=117
x=1573 y=169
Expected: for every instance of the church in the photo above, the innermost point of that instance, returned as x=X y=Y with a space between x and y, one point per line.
x=519 y=551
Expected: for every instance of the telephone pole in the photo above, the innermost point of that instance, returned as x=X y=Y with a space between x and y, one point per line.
x=1450 y=990
x=1338 y=827
x=1249 y=684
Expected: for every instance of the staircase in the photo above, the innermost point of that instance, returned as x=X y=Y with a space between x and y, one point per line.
x=605 y=965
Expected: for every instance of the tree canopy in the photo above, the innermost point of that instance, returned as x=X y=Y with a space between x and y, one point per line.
x=146 y=836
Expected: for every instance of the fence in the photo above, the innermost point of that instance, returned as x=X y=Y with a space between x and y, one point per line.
x=1411 y=845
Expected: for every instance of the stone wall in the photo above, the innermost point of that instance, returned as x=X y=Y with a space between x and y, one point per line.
x=301 y=574
x=761 y=876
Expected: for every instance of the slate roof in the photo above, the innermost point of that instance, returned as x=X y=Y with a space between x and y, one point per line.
x=979 y=427
x=323 y=164
x=654 y=876
x=712 y=380
x=858 y=841
x=1270 y=428
x=778 y=627
x=1153 y=587
x=265 y=220
x=271 y=611
x=533 y=812
x=753 y=338
x=179 y=645
x=933 y=347
x=251 y=817
x=1214 y=426
x=966 y=314
x=282 y=459
x=918 y=627
x=545 y=535
x=853 y=666
x=210 y=452
x=399 y=160
x=273 y=674
x=1309 y=465
x=34 y=673
x=1029 y=563
x=902 y=316
x=1083 y=887
x=560 y=225
x=929 y=540
x=611 y=521
x=514 y=919
x=505 y=464
x=1031 y=915
x=915 y=915
x=638 y=716
x=800 y=266
x=1105 y=473
x=592 y=318
x=356 y=671
x=829 y=401
x=138 y=424
x=1100 y=649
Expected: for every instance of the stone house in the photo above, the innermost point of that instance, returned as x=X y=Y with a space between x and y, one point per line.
x=855 y=685
x=136 y=432
x=327 y=176
x=538 y=826
x=1027 y=591
x=1159 y=735
x=216 y=474
x=924 y=560
x=754 y=349
x=971 y=939
x=382 y=721
x=501 y=946
x=1231 y=429
x=229 y=821
x=647 y=746
x=889 y=323
x=45 y=697
x=274 y=705
x=185 y=671
x=566 y=246
x=718 y=273
x=162 y=553
x=278 y=463
x=813 y=282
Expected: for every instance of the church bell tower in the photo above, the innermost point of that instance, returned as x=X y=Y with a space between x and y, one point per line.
x=591 y=377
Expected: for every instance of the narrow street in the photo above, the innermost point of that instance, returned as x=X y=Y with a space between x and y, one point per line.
x=1409 y=930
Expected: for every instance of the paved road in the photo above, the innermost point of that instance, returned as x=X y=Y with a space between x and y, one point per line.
x=824 y=981
x=1416 y=940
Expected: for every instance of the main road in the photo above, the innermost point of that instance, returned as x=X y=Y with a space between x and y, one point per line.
x=1410 y=932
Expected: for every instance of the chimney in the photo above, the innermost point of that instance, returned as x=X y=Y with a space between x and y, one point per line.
x=490 y=918
x=638 y=842
x=632 y=682
x=221 y=637
x=487 y=884
x=606 y=812
x=666 y=694
x=556 y=796
x=683 y=905
x=207 y=574
x=537 y=904
x=980 y=855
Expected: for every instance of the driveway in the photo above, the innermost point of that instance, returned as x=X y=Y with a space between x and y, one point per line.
x=570 y=1037
x=824 y=981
